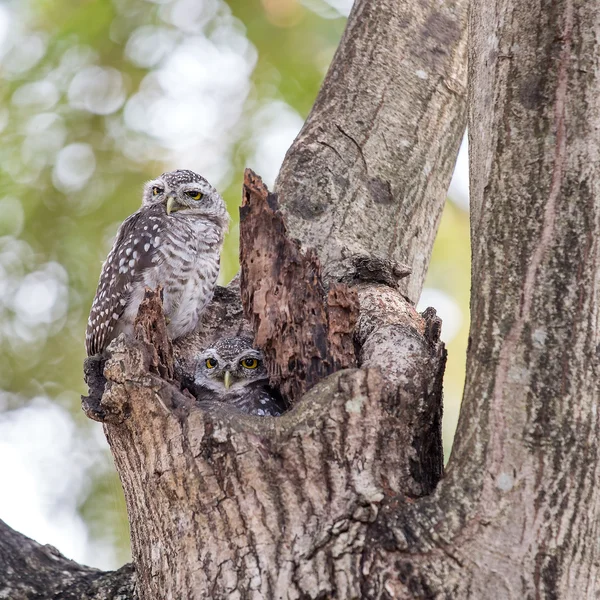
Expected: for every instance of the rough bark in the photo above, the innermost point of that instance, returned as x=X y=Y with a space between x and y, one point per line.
x=533 y=359
x=368 y=173
x=304 y=331
x=518 y=515
x=227 y=505
x=30 y=570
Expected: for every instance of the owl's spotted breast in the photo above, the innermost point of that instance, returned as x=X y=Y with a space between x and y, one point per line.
x=190 y=285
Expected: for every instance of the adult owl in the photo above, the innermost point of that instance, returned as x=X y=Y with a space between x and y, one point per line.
x=233 y=372
x=174 y=240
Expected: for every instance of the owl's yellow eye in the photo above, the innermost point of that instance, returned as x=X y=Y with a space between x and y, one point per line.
x=211 y=363
x=249 y=363
x=156 y=191
x=194 y=194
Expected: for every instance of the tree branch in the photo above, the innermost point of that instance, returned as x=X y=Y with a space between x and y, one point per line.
x=368 y=174
x=30 y=570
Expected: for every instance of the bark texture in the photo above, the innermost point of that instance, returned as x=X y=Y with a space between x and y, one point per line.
x=30 y=570
x=225 y=505
x=533 y=359
x=368 y=173
x=305 y=332
x=518 y=514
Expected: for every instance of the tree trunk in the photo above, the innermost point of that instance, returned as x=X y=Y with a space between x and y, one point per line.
x=223 y=505
x=226 y=505
x=338 y=497
x=233 y=506
x=517 y=515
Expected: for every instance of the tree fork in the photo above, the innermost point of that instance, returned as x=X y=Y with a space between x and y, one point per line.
x=232 y=493
x=364 y=185
x=518 y=514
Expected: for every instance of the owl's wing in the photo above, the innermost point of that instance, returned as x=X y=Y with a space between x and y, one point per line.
x=273 y=400
x=260 y=400
x=134 y=251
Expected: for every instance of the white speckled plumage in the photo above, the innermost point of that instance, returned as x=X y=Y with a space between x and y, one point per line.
x=177 y=248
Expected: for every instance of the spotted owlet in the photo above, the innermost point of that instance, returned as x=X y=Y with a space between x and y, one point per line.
x=174 y=240
x=233 y=372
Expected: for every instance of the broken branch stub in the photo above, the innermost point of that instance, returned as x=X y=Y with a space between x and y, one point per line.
x=305 y=331
x=150 y=327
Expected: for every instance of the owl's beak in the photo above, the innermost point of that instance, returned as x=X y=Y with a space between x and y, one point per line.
x=173 y=205
x=227 y=379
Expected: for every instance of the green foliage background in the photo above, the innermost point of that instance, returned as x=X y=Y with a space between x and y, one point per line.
x=54 y=235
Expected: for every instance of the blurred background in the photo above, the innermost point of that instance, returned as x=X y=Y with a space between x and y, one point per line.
x=98 y=96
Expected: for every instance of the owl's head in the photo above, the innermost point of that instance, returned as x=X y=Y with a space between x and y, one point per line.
x=231 y=364
x=185 y=193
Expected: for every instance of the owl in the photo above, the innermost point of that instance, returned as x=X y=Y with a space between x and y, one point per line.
x=233 y=372
x=174 y=240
